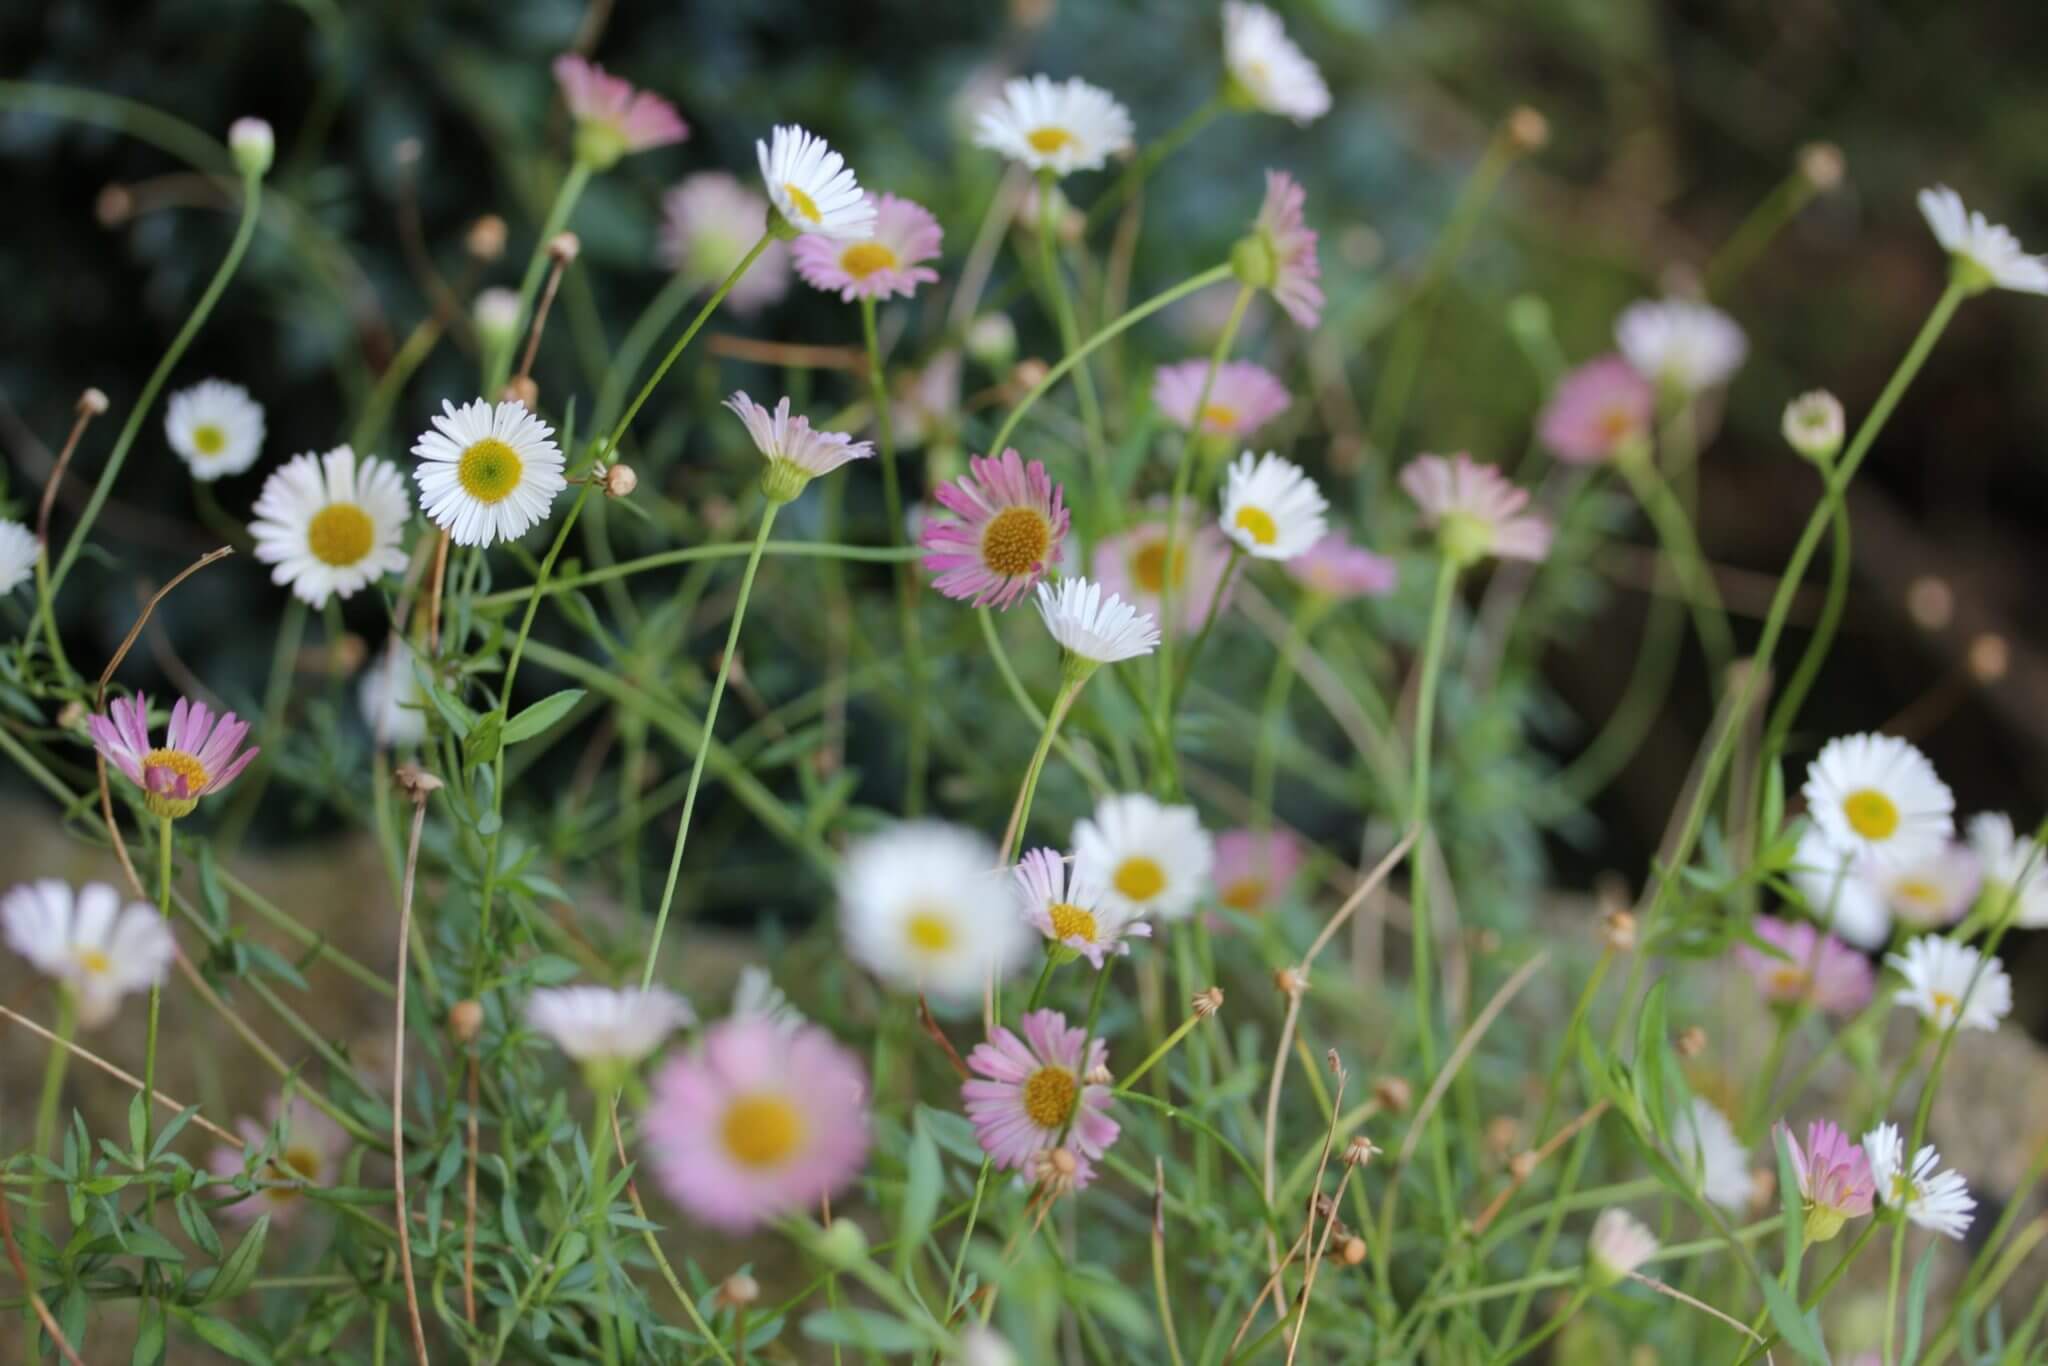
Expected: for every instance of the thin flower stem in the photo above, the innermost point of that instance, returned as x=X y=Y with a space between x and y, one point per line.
x=919 y=758
x=156 y=995
x=967 y=1235
x=400 y=1210
x=1020 y=812
x=1070 y=341
x=498 y=364
x=1891 y=1294
x=1166 y=1046
x=53 y=1091
x=1840 y=562
x=1756 y=232
x=1147 y=161
x=611 y=445
x=1273 y=711
x=716 y=550
x=284 y=663
x=600 y=1215
x=1187 y=667
x=1548 y=1330
x=1682 y=549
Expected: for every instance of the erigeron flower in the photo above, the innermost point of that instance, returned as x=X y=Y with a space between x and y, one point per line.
x=758 y=1121
x=253 y=145
x=1244 y=397
x=1279 y=254
x=1986 y=255
x=795 y=453
x=1267 y=71
x=1149 y=859
x=95 y=948
x=926 y=408
x=1255 y=868
x=1271 y=508
x=1057 y=126
x=1070 y=911
x=1596 y=409
x=889 y=260
x=215 y=427
x=329 y=525
x=1133 y=566
x=1931 y=892
x=1839 y=891
x=612 y=118
x=2015 y=869
x=1619 y=1245
x=1878 y=795
x=1810 y=968
x=812 y=187
x=1686 y=347
x=198 y=756
x=758 y=997
x=1945 y=985
x=19 y=551
x=605 y=1028
x=1710 y=1151
x=1933 y=1199
x=1094 y=628
x=1834 y=1176
x=1339 y=570
x=1009 y=520
x=1814 y=425
x=709 y=221
x=1031 y=1095
x=393 y=704
x=923 y=907
x=487 y=472
x=495 y=311
x=306 y=1153
x=1474 y=510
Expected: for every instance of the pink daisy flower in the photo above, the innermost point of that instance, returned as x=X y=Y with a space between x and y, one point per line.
x=1244 y=398
x=1070 y=911
x=1133 y=566
x=1254 y=869
x=761 y=1120
x=308 y=1153
x=1338 y=569
x=708 y=223
x=1034 y=1097
x=612 y=118
x=1834 y=1175
x=1008 y=522
x=1476 y=512
x=887 y=262
x=1596 y=408
x=1293 y=250
x=1815 y=967
x=198 y=757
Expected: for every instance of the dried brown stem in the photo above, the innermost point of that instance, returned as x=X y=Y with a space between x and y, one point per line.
x=412 y=1294
x=1543 y=1154
x=35 y=1299
x=126 y=1078
x=86 y=412
x=1470 y=1041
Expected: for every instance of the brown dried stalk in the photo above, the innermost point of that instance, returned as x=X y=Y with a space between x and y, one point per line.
x=1473 y=1033
x=126 y=1078
x=35 y=1299
x=419 y=791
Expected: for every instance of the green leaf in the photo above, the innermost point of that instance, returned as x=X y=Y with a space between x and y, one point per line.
x=171 y=1131
x=1789 y=1201
x=460 y=719
x=223 y=1337
x=1916 y=1306
x=864 y=1328
x=147 y=1243
x=240 y=1267
x=138 y=1121
x=1652 y=1035
x=921 y=1190
x=541 y=715
x=149 y=1335
x=1798 y=1329
x=197 y=1226
x=953 y=1133
x=481 y=745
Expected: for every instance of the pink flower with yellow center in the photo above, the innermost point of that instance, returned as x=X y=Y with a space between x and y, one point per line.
x=1814 y=968
x=1031 y=1095
x=1134 y=566
x=1339 y=570
x=1597 y=408
x=1244 y=398
x=198 y=756
x=1835 y=1180
x=887 y=262
x=1009 y=520
x=612 y=118
x=709 y=221
x=307 y=1153
x=1255 y=868
x=1291 y=250
x=1474 y=510
x=1072 y=912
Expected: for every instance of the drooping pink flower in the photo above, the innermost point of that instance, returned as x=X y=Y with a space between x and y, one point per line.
x=1293 y=247
x=1255 y=868
x=708 y=222
x=1032 y=1095
x=1835 y=1179
x=1596 y=408
x=1244 y=398
x=1072 y=912
x=759 y=1121
x=887 y=262
x=1339 y=570
x=1008 y=522
x=308 y=1153
x=1816 y=967
x=1133 y=565
x=1475 y=510
x=198 y=756
x=612 y=118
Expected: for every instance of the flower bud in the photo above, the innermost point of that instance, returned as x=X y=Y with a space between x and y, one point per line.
x=1352 y=1251
x=1620 y=1243
x=1207 y=1003
x=92 y=403
x=1814 y=425
x=253 y=145
x=1619 y=927
x=496 y=314
x=843 y=1244
x=620 y=481
x=738 y=1291
x=522 y=389
x=1930 y=602
x=1254 y=262
x=563 y=247
x=1990 y=657
x=1528 y=129
x=992 y=340
x=465 y=1021
x=485 y=240
x=1822 y=166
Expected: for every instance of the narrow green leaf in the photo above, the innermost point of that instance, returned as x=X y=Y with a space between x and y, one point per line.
x=1793 y=1208
x=1652 y=1036
x=149 y=1335
x=921 y=1190
x=138 y=1122
x=541 y=715
x=865 y=1328
x=1796 y=1328
x=481 y=745
x=1916 y=1306
x=240 y=1267
x=223 y=1337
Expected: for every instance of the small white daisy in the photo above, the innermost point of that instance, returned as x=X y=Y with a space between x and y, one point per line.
x=795 y=452
x=1839 y=892
x=1061 y=126
x=1932 y=892
x=1709 y=1149
x=923 y=906
x=758 y=997
x=1686 y=346
x=1148 y=858
x=329 y=525
x=812 y=186
x=94 y=947
x=495 y=312
x=607 y=1027
x=2014 y=867
x=1266 y=69
x=1987 y=254
x=1619 y=1245
x=1944 y=981
x=393 y=704
x=1934 y=1200
x=1094 y=627
x=18 y=553
x=215 y=427
x=1070 y=910
x=1271 y=509
x=487 y=473
x=1877 y=795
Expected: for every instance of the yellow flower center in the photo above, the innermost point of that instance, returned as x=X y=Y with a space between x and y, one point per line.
x=863 y=259
x=489 y=470
x=1140 y=878
x=1148 y=566
x=761 y=1130
x=341 y=534
x=1245 y=894
x=801 y=202
x=1220 y=416
x=1071 y=922
x=1616 y=423
x=303 y=1162
x=209 y=438
x=1917 y=890
x=1945 y=1005
x=1049 y=1096
x=1870 y=813
x=178 y=762
x=1787 y=980
x=95 y=962
x=1015 y=541
x=1049 y=139
x=928 y=931
x=1258 y=524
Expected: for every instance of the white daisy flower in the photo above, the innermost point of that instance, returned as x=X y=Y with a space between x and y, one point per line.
x=487 y=473
x=1061 y=126
x=1147 y=858
x=1708 y=1148
x=18 y=554
x=1271 y=509
x=607 y=1027
x=1934 y=1200
x=1944 y=981
x=393 y=704
x=812 y=187
x=1266 y=69
x=330 y=526
x=97 y=949
x=923 y=906
x=495 y=311
x=1932 y=892
x=1619 y=1245
x=1684 y=345
x=1877 y=795
x=1093 y=627
x=2014 y=866
x=215 y=427
x=1070 y=910
x=1988 y=254
x=1839 y=891
x=758 y=996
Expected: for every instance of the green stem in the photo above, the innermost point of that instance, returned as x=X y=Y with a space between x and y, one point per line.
x=1070 y=341
x=1021 y=811
x=1891 y=1294
x=640 y=338
x=498 y=364
x=1187 y=667
x=1755 y=232
x=601 y=1215
x=1418 y=801
x=1148 y=160
x=420 y=344
x=1801 y=682
x=1682 y=549
x=1548 y=1330
x=715 y=550
x=906 y=577
x=52 y=1093
x=284 y=664
x=156 y=995
x=1273 y=710
x=46 y=614
x=1151 y=1059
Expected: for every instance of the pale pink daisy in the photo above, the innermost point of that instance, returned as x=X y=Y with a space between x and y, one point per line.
x=198 y=756
x=1291 y=250
x=889 y=261
x=1597 y=408
x=1814 y=967
x=1032 y=1095
x=1476 y=512
x=1255 y=868
x=795 y=453
x=1133 y=566
x=1337 y=569
x=1070 y=911
x=758 y=1121
x=612 y=118
x=307 y=1154
x=709 y=221
x=1834 y=1177
x=1244 y=398
x=1008 y=522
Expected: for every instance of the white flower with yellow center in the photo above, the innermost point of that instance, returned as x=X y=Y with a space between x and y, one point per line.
x=1930 y=893
x=1877 y=795
x=1686 y=347
x=329 y=525
x=1839 y=892
x=923 y=906
x=1094 y=628
x=1070 y=911
x=18 y=553
x=1947 y=981
x=215 y=427
x=487 y=473
x=2014 y=867
x=1271 y=509
x=1985 y=253
x=1148 y=858
x=1267 y=70
x=1935 y=1200
x=95 y=948
x=812 y=187
x=1060 y=126
x=603 y=1027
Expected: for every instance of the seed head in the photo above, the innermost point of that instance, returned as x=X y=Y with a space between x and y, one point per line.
x=1359 y=1151
x=738 y=1291
x=1620 y=929
x=1291 y=982
x=522 y=388
x=620 y=481
x=415 y=782
x=1207 y=1003
x=1822 y=165
x=563 y=247
x=1528 y=129
x=92 y=403
x=465 y=1021
x=485 y=240
x=1394 y=1094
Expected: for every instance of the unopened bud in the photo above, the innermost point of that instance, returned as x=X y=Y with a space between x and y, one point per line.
x=1814 y=424
x=992 y=340
x=485 y=239
x=1394 y=1094
x=1029 y=374
x=1822 y=166
x=1619 y=928
x=465 y=1021
x=1255 y=261
x=253 y=145
x=1989 y=657
x=113 y=206
x=496 y=314
x=415 y=782
x=1290 y=982
x=1207 y=1003
x=1528 y=129
x=1691 y=1041
x=1522 y=1164
x=843 y=1244
x=71 y=716
x=1359 y=1151
x=738 y=1291
x=620 y=481
x=563 y=247
x=522 y=389
x=1352 y=1251
x=1930 y=602
x=92 y=403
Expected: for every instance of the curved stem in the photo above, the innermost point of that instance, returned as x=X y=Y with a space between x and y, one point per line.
x=1801 y=682
x=498 y=364
x=1020 y=812
x=47 y=1103
x=1682 y=549
x=919 y=757
x=1070 y=341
